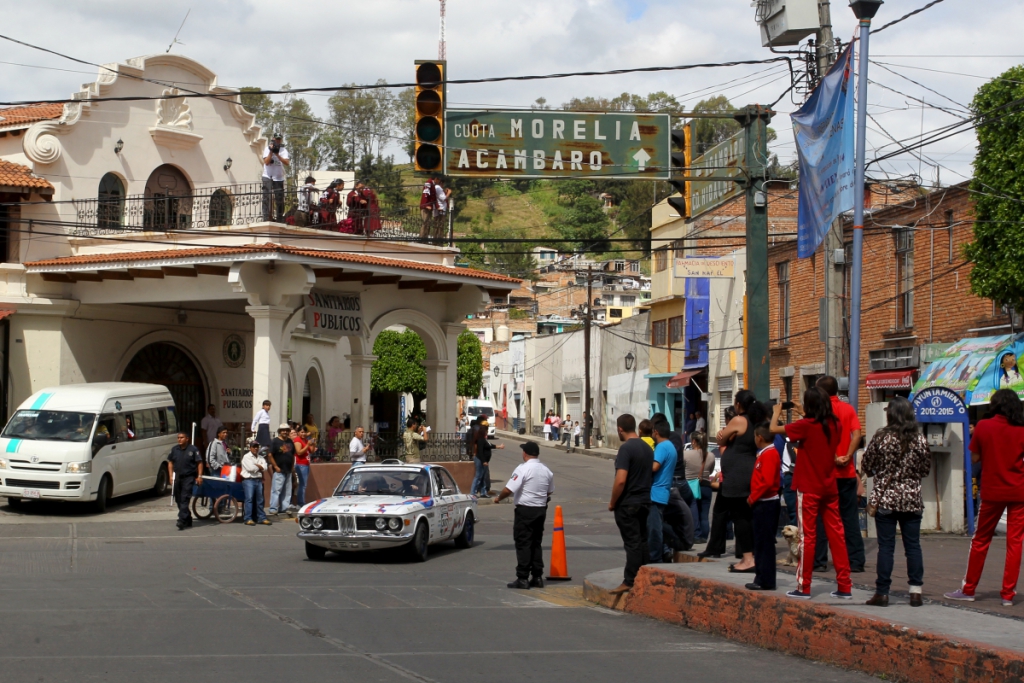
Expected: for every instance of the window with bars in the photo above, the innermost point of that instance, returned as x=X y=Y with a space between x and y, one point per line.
x=660 y=259
x=904 y=278
x=782 y=270
x=675 y=330
x=659 y=333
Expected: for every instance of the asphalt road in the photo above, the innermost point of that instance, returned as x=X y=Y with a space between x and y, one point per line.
x=126 y=597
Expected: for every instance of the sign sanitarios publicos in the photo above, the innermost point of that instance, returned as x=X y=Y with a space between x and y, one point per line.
x=557 y=144
x=720 y=165
x=333 y=314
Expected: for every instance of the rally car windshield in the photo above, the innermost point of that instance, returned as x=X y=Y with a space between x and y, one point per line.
x=365 y=482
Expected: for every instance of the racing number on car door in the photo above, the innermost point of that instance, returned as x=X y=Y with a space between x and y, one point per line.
x=443 y=504
x=457 y=501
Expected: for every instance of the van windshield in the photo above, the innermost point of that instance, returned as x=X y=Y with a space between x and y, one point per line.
x=50 y=425
x=473 y=411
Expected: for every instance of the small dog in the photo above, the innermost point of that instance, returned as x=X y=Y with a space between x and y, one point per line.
x=792 y=536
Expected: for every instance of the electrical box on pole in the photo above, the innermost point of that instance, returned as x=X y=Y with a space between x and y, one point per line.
x=429 y=139
x=786 y=22
x=754 y=119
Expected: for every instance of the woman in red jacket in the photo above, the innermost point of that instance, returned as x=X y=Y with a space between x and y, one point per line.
x=764 y=500
x=998 y=443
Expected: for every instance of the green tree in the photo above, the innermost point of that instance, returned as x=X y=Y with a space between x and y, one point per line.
x=470 y=372
x=365 y=121
x=998 y=246
x=381 y=175
x=709 y=132
x=399 y=364
x=309 y=143
x=585 y=226
x=572 y=189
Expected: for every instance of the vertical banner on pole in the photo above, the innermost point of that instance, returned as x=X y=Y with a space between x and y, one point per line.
x=824 y=131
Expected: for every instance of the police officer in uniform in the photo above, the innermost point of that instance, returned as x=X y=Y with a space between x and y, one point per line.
x=531 y=486
x=185 y=464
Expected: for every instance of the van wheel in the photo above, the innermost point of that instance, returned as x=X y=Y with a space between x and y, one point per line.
x=161 y=485
x=418 y=547
x=103 y=495
x=14 y=502
x=315 y=552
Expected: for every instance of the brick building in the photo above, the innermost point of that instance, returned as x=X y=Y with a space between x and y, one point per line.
x=916 y=294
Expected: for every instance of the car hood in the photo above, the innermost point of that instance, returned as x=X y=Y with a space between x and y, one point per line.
x=363 y=505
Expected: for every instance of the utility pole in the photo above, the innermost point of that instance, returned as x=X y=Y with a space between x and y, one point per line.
x=755 y=118
x=586 y=359
x=832 y=332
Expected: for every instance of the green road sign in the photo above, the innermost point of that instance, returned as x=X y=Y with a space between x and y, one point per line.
x=548 y=144
x=720 y=164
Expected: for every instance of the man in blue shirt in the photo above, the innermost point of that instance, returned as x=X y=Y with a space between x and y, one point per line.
x=667 y=519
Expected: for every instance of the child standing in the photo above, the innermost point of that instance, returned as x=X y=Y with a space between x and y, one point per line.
x=646 y=431
x=764 y=499
x=576 y=432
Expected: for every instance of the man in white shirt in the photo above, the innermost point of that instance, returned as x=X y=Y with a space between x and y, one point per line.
x=254 y=464
x=356 y=449
x=531 y=486
x=211 y=424
x=701 y=424
x=441 y=196
x=275 y=158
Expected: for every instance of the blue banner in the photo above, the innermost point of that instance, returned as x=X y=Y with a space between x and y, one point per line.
x=824 y=133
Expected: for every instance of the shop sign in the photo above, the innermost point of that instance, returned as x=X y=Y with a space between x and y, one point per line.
x=235 y=398
x=705 y=267
x=334 y=314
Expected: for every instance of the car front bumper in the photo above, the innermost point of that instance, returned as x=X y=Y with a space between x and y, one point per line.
x=354 y=542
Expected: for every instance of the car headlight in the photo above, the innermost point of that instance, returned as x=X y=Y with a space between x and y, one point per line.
x=3 y=464
x=318 y=523
x=305 y=523
x=79 y=467
x=381 y=523
x=394 y=524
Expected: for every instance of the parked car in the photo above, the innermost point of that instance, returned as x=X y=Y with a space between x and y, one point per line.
x=88 y=442
x=389 y=505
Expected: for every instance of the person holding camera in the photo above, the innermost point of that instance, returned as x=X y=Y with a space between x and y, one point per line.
x=275 y=158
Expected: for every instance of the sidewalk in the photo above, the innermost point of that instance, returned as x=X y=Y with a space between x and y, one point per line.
x=606 y=453
x=925 y=644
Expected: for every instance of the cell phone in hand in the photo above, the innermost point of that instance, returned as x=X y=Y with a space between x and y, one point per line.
x=788 y=405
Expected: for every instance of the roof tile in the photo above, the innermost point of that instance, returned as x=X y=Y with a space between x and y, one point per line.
x=30 y=114
x=14 y=175
x=113 y=259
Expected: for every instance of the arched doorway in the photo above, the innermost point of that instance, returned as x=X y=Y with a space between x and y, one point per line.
x=169 y=365
x=312 y=398
x=168 y=200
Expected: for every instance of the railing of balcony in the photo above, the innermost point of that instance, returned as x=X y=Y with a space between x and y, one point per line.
x=238 y=205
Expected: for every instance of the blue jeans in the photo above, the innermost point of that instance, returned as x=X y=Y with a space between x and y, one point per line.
x=700 y=510
x=655 y=534
x=302 y=471
x=478 y=477
x=789 y=495
x=910 y=526
x=281 y=492
x=253 y=495
x=554 y=434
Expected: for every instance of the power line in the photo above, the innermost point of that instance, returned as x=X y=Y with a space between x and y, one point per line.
x=906 y=16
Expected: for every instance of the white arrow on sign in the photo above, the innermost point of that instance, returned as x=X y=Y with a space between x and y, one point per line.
x=641 y=158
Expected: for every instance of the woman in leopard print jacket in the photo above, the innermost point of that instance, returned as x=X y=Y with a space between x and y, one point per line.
x=898 y=458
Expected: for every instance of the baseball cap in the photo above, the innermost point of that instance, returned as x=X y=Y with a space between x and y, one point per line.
x=531 y=449
x=285 y=426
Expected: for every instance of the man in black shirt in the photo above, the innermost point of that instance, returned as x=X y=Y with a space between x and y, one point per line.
x=185 y=467
x=282 y=462
x=631 y=497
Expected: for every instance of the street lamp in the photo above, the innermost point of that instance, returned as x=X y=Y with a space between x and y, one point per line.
x=119 y=146
x=865 y=9
x=227 y=164
x=629 y=361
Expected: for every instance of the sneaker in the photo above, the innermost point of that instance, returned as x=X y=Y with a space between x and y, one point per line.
x=266 y=522
x=250 y=523
x=841 y=595
x=799 y=595
x=1007 y=603
x=959 y=595
x=272 y=512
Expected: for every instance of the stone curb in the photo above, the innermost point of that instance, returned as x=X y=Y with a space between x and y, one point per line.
x=810 y=630
x=606 y=453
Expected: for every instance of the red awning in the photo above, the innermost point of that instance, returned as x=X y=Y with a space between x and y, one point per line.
x=891 y=379
x=682 y=379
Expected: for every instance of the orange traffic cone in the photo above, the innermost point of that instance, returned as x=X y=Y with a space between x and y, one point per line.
x=559 y=568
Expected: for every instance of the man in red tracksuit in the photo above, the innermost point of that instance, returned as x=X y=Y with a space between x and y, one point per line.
x=764 y=499
x=814 y=479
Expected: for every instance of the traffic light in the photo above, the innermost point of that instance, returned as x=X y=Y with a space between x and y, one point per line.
x=428 y=155
x=681 y=139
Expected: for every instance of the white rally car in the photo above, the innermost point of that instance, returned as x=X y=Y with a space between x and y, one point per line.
x=387 y=505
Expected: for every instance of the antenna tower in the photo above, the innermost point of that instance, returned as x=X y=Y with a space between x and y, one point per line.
x=441 y=43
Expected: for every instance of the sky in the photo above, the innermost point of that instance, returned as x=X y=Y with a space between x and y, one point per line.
x=949 y=50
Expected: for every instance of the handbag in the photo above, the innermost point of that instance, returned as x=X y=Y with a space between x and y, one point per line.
x=695 y=487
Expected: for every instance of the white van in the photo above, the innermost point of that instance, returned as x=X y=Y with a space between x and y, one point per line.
x=88 y=442
x=477 y=407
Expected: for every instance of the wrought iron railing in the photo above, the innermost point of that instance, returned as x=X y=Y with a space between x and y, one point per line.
x=235 y=205
x=439 y=447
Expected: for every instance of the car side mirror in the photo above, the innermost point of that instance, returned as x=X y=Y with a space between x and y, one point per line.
x=447 y=492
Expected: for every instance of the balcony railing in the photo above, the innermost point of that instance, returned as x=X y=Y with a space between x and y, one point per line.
x=236 y=205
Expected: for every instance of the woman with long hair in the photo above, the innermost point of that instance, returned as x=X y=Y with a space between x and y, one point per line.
x=998 y=442
x=898 y=458
x=737 y=468
x=699 y=466
x=814 y=479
